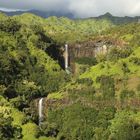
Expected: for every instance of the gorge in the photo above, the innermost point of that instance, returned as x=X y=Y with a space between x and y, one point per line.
x=63 y=79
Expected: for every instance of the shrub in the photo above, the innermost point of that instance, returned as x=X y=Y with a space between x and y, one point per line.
x=9 y=25
x=138 y=87
x=86 y=81
x=116 y=53
x=86 y=61
x=7 y=129
x=107 y=86
x=135 y=60
x=125 y=94
x=125 y=68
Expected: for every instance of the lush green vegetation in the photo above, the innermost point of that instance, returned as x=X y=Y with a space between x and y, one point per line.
x=86 y=61
x=27 y=72
x=101 y=103
x=65 y=30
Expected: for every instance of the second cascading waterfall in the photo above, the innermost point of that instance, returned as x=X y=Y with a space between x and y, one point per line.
x=40 y=106
x=40 y=110
x=66 y=56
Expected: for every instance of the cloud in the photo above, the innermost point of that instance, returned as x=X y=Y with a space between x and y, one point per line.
x=81 y=8
x=34 y=4
x=98 y=7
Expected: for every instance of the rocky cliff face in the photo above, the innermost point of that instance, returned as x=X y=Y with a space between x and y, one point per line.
x=48 y=103
x=84 y=49
x=91 y=49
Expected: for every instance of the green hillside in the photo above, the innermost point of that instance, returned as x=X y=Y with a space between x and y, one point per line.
x=101 y=102
x=104 y=100
x=27 y=72
x=66 y=30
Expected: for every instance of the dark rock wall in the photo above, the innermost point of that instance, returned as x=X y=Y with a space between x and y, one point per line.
x=91 y=49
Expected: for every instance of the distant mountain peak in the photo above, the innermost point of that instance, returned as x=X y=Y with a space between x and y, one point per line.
x=108 y=14
x=118 y=20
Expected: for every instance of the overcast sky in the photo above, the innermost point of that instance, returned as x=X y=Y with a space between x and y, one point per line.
x=80 y=8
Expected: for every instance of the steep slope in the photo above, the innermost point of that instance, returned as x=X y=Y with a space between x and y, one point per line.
x=26 y=73
x=103 y=102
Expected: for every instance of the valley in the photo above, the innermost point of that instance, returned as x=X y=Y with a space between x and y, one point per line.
x=69 y=79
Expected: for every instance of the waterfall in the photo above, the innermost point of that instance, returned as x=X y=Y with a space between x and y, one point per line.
x=40 y=110
x=66 y=56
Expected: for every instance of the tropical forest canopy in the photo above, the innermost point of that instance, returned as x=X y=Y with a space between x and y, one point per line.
x=101 y=102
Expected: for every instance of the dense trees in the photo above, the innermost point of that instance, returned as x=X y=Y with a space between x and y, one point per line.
x=79 y=122
x=107 y=86
x=116 y=53
x=124 y=126
x=7 y=129
x=86 y=61
x=21 y=69
x=88 y=107
x=26 y=71
x=9 y=25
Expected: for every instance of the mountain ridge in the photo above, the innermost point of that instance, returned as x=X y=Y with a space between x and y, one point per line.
x=42 y=14
x=118 y=20
x=114 y=19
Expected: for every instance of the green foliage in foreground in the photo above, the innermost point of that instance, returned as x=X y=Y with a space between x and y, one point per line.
x=77 y=122
x=84 y=123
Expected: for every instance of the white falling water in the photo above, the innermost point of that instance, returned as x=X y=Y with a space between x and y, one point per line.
x=66 y=56
x=40 y=108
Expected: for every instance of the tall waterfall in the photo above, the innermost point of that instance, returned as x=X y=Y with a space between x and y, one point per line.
x=66 y=56
x=40 y=110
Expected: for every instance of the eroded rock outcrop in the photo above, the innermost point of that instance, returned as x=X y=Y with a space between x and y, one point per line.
x=91 y=49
